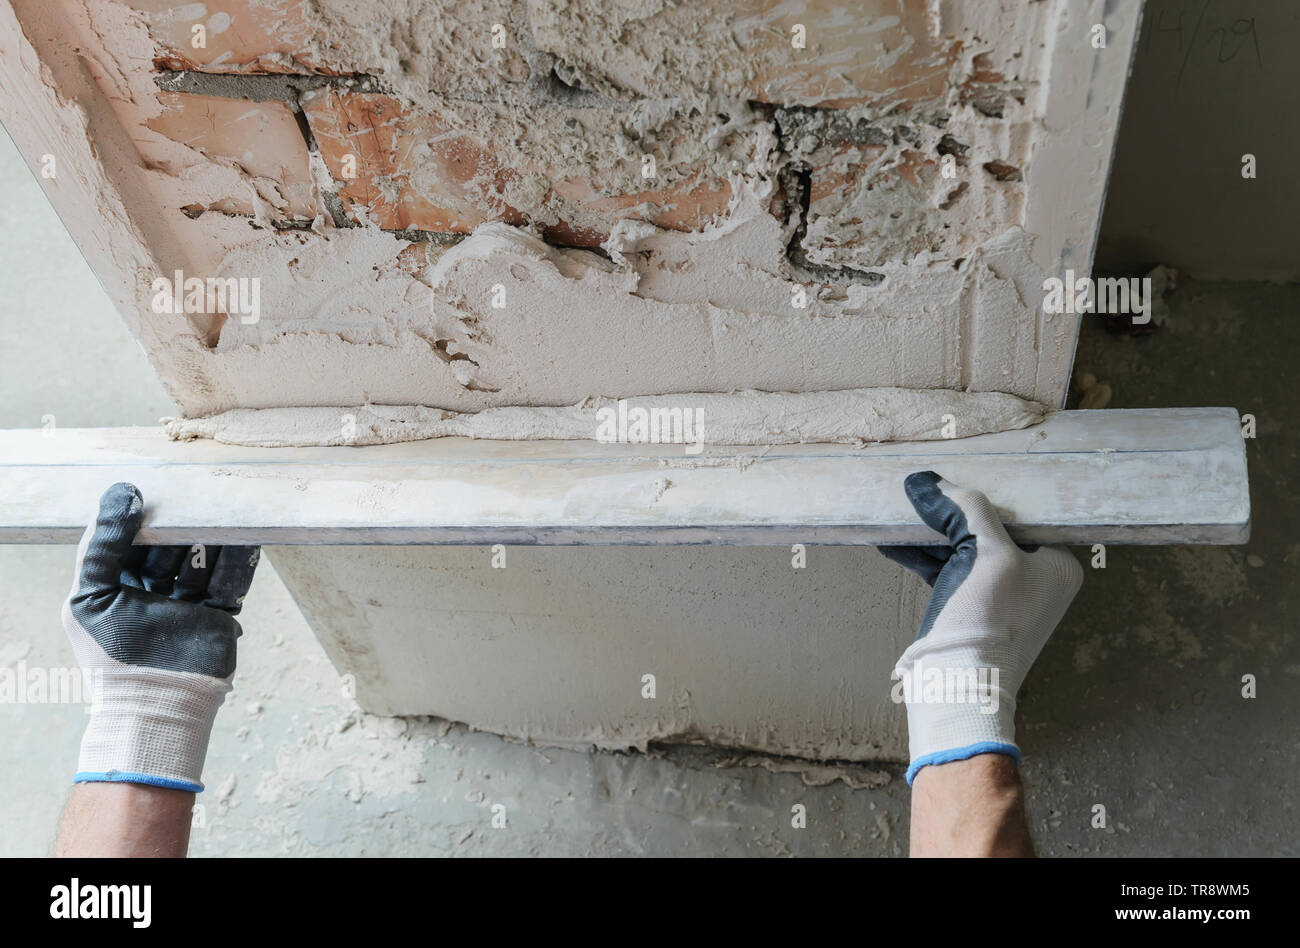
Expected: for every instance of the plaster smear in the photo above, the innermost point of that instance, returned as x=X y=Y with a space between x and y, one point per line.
x=358 y=317
x=743 y=418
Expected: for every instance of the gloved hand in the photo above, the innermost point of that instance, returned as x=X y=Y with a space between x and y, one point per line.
x=993 y=608
x=153 y=629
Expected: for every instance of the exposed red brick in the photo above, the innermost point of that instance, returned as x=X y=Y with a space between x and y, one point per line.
x=849 y=59
x=262 y=139
x=413 y=172
x=685 y=208
x=240 y=35
x=374 y=147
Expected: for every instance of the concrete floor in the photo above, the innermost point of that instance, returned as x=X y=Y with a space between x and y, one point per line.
x=1135 y=704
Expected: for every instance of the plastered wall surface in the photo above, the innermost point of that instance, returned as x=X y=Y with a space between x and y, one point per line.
x=553 y=645
x=699 y=205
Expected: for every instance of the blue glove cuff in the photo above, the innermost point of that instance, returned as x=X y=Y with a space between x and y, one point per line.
x=962 y=753
x=121 y=776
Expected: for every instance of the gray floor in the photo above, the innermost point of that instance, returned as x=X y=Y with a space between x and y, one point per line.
x=1135 y=704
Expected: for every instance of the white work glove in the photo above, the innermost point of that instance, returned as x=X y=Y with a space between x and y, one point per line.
x=153 y=629
x=993 y=608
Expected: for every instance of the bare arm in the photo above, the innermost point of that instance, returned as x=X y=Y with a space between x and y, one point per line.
x=125 y=819
x=973 y=807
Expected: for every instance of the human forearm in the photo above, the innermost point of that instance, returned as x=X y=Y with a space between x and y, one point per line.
x=125 y=819
x=973 y=807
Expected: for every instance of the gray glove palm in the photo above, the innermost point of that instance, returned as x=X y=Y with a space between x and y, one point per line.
x=154 y=629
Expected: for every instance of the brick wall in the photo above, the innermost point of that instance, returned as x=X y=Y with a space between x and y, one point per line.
x=434 y=118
